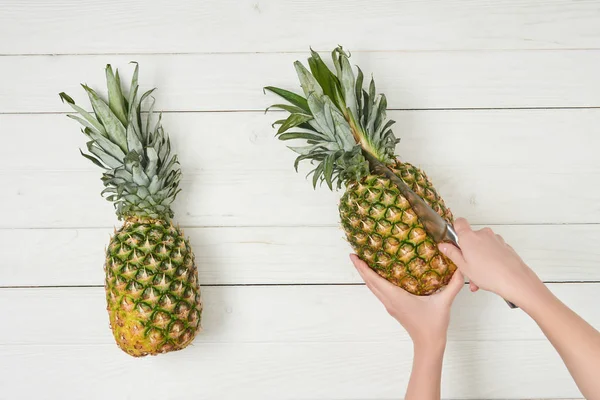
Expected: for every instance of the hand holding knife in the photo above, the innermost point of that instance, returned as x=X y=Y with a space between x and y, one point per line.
x=434 y=224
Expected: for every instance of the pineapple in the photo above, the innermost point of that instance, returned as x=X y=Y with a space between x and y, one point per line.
x=152 y=291
x=340 y=121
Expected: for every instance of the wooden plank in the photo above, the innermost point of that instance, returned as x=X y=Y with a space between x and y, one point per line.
x=493 y=167
x=410 y=80
x=555 y=140
x=268 y=25
x=272 y=255
x=266 y=340
x=282 y=314
x=378 y=371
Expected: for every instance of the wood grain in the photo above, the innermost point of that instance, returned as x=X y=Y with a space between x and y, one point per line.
x=277 y=314
x=94 y=26
x=272 y=255
x=493 y=167
x=497 y=101
x=473 y=370
x=410 y=80
x=336 y=346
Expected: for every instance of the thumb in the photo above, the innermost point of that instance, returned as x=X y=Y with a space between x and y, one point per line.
x=454 y=286
x=453 y=253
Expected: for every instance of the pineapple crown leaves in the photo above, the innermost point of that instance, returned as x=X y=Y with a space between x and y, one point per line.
x=141 y=176
x=338 y=119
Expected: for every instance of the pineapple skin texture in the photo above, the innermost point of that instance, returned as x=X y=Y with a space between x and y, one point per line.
x=386 y=233
x=152 y=290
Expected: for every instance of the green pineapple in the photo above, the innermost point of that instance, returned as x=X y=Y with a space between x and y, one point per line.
x=152 y=291
x=339 y=120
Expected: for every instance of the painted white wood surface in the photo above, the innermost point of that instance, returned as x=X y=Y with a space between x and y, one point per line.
x=256 y=314
x=272 y=255
x=269 y=370
x=504 y=99
x=410 y=80
x=248 y=348
x=491 y=166
x=96 y=26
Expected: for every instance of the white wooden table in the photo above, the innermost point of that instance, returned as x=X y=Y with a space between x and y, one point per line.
x=499 y=101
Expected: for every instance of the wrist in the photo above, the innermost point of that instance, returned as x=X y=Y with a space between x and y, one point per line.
x=429 y=347
x=536 y=298
x=524 y=288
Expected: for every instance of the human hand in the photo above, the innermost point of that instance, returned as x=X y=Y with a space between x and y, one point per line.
x=425 y=318
x=490 y=263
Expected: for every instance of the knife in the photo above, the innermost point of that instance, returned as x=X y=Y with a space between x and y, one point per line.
x=438 y=228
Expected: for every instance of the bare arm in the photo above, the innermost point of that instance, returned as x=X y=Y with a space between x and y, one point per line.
x=577 y=342
x=426 y=374
x=494 y=266
x=426 y=319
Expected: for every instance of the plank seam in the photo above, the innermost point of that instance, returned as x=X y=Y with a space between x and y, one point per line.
x=249 y=285
x=193 y=53
x=277 y=111
x=49 y=228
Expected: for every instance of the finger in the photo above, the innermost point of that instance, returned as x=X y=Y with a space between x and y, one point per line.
x=366 y=274
x=473 y=287
x=462 y=226
x=453 y=253
x=454 y=286
x=501 y=239
x=487 y=231
x=382 y=285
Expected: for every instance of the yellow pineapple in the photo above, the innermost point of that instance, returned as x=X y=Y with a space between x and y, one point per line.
x=152 y=291
x=339 y=120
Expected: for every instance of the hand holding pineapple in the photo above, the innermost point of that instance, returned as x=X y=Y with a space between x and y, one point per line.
x=494 y=266
x=425 y=318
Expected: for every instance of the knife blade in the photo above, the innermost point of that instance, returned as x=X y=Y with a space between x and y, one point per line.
x=437 y=227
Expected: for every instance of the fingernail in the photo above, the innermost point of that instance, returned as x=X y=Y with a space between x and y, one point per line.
x=444 y=248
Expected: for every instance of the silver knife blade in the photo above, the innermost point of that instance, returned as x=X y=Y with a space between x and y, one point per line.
x=437 y=227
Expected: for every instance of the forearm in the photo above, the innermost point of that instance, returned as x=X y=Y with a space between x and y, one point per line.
x=426 y=374
x=576 y=341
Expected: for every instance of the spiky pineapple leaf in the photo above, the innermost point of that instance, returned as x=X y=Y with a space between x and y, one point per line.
x=288 y=108
x=328 y=169
x=109 y=161
x=326 y=79
x=348 y=83
x=86 y=115
x=116 y=101
x=292 y=121
x=114 y=128
x=106 y=145
x=93 y=159
x=346 y=122
x=317 y=174
x=85 y=123
x=300 y=135
x=308 y=82
x=133 y=88
x=141 y=176
x=293 y=98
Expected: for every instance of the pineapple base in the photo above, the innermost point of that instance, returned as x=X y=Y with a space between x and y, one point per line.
x=152 y=291
x=386 y=233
